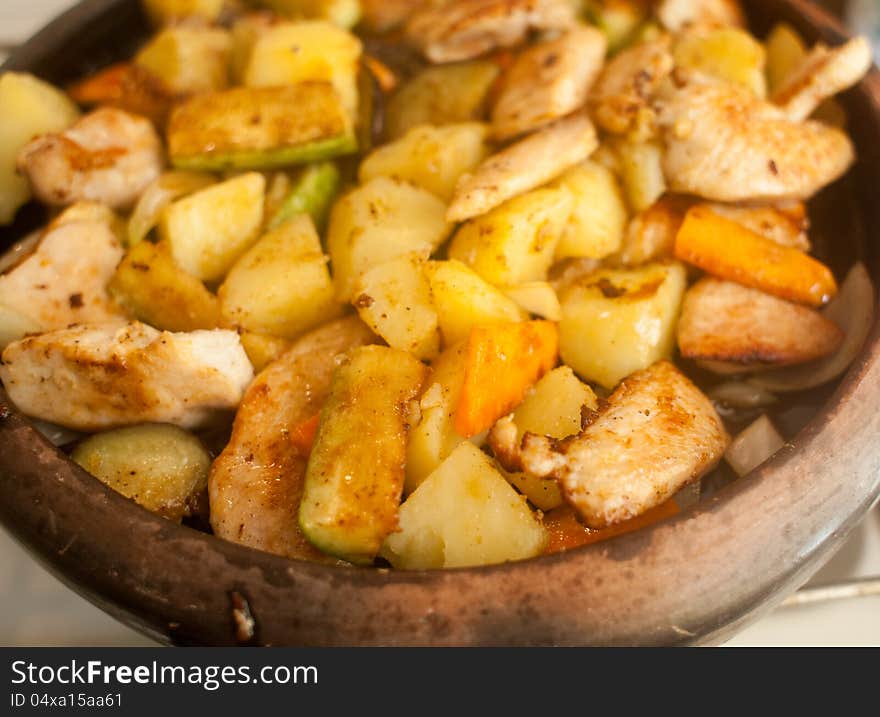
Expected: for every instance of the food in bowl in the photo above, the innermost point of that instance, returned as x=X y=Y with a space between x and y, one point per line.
x=569 y=256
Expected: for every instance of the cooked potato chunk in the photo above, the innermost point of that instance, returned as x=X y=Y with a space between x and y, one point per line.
x=723 y=321
x=155 y=198
x=641 y=172
x=543 y=493
x=394 y=299
x=164 y=12
x=464 y=300
x=281 y=285
x=599 y=215
x=116 y=374
x=615 y=322
x=159 y=466
x=154 y=289
x=657 y=433
x=263 y=349
x=442 y=95
x=290 y=53
x=355 y=475
x=210 y=229
x=726 y=53
x=434 y=437
x=515 y=242
x=260 y=128
x=785 y=51
x=29 y=107
x=379 y=221
x=464 y=514
x=553 y=407
x=433 y=158
x=188 y=59
x=536 y=297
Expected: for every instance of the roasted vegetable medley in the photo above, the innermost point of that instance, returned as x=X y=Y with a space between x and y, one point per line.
x=427 y=283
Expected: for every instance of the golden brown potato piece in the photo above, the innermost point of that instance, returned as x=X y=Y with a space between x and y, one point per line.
x=656 y=434
x=256 y=484
x=151 y=286
x=724 y=321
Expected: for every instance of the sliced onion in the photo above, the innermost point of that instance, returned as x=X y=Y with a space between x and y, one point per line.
x=753 y=446
x=57 y=435
x=742 y=394
x=853 y=311
x=157 y=196
x=19 y=251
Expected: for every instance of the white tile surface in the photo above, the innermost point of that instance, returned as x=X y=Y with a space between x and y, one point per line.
x=37 y=610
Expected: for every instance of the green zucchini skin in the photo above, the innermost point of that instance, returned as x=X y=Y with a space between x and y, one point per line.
x=312 y=194
x=260 y=128
x=355 y=474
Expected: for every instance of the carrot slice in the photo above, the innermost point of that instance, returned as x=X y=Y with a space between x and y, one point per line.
x=501 y=362
x=566 y=532
x=303 y=435
x=104 y=87
x=728 y=250
x=384 y=75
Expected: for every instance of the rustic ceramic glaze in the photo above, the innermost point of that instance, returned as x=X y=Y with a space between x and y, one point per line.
x=695 y=579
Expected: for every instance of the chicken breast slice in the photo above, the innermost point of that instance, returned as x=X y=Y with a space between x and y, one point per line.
x=523 y=166
x=675 y=15
x=621 y=98
x=464 y=29
x=108 y=156
x=724 y=144
x=91 y=378
x=548 y=81
x=723 y=321
x=823 y=73
x=256 y=484
x=64 y=280
x=656 y=434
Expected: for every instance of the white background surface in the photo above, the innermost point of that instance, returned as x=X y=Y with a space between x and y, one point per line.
x=38 y=610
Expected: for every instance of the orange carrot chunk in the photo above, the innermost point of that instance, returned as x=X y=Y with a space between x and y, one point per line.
x=567 y=532
x=303 y=435
x=728 y=250
x=104 y=87
x=501 y=362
